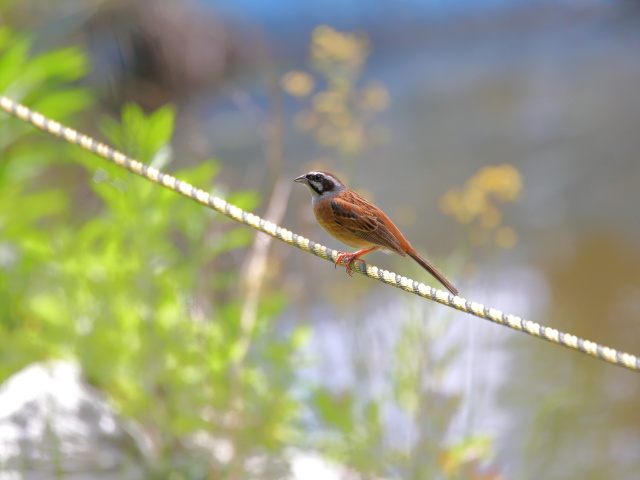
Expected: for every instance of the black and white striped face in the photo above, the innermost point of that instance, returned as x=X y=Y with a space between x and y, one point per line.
x=321 y=184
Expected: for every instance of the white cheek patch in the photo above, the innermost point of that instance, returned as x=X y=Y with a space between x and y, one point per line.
x=317 y=186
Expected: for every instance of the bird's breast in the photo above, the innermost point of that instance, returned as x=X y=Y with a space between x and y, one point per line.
x=325 y=217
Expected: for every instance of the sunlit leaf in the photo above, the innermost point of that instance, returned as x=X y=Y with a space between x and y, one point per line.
x=60 y=66
x=245 y=199
x=12 y=62
x=64 y=102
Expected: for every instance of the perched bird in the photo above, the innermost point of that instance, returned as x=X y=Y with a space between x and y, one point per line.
x=348 y=217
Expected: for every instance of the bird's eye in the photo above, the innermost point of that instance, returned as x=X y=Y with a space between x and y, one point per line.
x=317 y=177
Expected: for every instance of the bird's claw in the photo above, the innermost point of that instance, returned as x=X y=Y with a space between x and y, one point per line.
x=347 y=259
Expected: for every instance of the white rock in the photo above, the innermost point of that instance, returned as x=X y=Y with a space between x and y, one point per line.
x=54 y=425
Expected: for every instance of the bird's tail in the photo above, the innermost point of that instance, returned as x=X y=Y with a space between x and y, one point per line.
x=433 y=271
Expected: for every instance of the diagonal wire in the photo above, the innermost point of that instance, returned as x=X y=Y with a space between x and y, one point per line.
x=607 y=354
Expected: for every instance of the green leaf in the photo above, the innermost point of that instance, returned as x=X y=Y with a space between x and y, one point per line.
x=64 y=102
x=59 y=66
x=12 y=63
x=6 y=36
x=236 y=238
x=124 y=279
x=201 y=175
x=244 y=199
x=138 y=135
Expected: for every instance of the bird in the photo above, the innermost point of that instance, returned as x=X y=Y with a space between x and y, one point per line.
x=356 y=222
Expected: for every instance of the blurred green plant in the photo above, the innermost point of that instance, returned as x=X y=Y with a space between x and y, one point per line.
x=424 y=360
x=141 y=287
x=352 y=425
x=134 y=282
x=402 y=429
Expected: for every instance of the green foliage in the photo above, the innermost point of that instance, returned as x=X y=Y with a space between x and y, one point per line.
x=356 y=428
x=132 y=280
x=141 y=287
x=140 y=136
x=42 y=81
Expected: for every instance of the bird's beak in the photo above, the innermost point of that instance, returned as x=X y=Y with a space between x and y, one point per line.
x=301 y=179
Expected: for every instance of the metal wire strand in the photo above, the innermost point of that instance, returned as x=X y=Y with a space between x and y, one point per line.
x=572 y=342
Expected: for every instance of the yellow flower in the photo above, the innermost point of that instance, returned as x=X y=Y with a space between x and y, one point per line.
x=297 y=83
x=506 y=237
x=375 y=97
x=478 y=204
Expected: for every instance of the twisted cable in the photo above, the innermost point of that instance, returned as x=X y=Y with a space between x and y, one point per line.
x=607 y=354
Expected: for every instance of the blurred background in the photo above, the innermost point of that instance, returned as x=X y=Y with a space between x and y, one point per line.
x=501 y=136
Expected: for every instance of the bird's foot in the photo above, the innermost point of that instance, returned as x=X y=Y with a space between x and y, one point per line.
x=347 y=259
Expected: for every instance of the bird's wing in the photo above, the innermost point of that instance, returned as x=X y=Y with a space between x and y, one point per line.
x=359 y=217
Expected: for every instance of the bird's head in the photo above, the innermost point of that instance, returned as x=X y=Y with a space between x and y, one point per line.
x=321 y=184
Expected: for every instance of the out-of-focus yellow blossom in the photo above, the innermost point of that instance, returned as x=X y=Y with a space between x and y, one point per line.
x=353 y=141
x=327 y=102
x=490 y=218
x=375 y=97
x=326 y=135
x=306 y=119
x=502 y=181
x=479 y=204
x=297 y=83
x=506 y=237
x=330 y=46
x=342 y=118
x=340 y=115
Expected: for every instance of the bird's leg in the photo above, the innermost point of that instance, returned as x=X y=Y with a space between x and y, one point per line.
x=347 y=259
